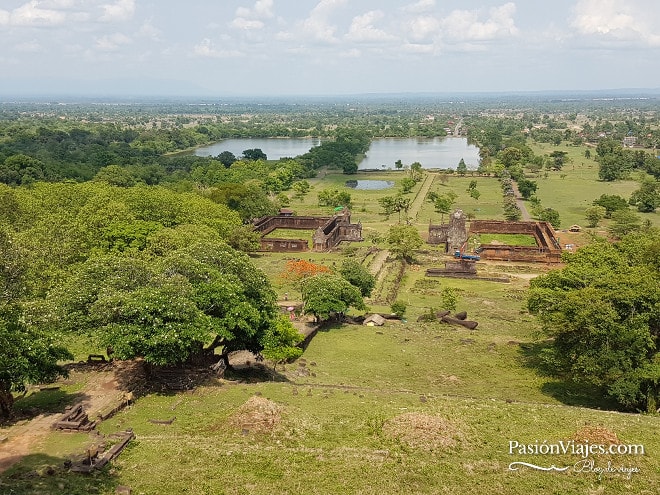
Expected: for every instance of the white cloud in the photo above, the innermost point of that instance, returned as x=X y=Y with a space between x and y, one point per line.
x=148 y=30
x=4 y=17
x=422 y=28
x=616 y=20
x=243 y=23
x=250 y=19
x=263 y=9
x=112 y=42
x=423 y=48
x=31 y=14
x=317 y=25
x=466 y=26
x=121 y=10
x=420 y=7
x=206 y=49
x=363 y=30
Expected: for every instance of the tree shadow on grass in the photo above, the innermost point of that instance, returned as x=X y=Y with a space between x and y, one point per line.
x=45 y=474
x=564 y=390
x=51 y=400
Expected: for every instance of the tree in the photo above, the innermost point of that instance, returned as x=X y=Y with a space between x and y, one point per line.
x=461 y=169
x=550 y=215
x=587 y=154
x=611 y=203
x=510 y=156
x=301 y=188
x=249 y=200
x=403 y=240
x=334 y=198
x=254 y=154
x=398 y=164
x=27 y=355
x=559 y=159
x=594 y=214
x=624 y=222
x=115 y=176
x=449 y=298
x=358 y=276
x=245 y=238
x=527 y=188
x=326 y=295
x=166 y=309
x=298 y=270
x=407 y=185
x=282 y=331
x=601 y=312
x=227 y=158
x=399 y=308
x=394 y=204
x=647 y=197
x=443 y=204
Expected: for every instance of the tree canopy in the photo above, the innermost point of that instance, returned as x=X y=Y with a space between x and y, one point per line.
x=603 y=313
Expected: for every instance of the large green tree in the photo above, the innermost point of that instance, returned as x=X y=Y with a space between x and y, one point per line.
x=403 y=241
x=327 y=295
x=602 y=312
x=27 y=355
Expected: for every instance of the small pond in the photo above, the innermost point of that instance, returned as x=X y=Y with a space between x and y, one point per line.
x=370 y=185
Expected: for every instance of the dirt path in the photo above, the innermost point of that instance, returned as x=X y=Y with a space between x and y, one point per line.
x=421 y=195
x=521 y=204
x=26 y=437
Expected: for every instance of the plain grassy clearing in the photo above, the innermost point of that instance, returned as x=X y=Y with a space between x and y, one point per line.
x=507 y=239
x=573 y=189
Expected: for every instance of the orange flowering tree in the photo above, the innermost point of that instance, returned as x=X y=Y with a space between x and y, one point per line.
x=297 y=270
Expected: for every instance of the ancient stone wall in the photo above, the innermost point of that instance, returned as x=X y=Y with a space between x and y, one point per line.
x=330 y=231
x=453 y=234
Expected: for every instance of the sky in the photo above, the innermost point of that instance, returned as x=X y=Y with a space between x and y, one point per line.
x=325 y=47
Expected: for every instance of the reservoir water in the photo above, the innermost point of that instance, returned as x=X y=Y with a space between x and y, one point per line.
x=275 y=148
x=430 y=152
x=383 y=152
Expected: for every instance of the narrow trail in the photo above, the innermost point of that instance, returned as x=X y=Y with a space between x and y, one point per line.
x=421 y=195
x=521 y=204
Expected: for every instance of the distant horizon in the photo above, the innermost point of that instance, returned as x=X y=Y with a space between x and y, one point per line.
x=622 y=93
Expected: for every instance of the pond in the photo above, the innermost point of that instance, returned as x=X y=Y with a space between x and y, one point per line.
x=275 y=148
x=430 y=152
x=369 y=185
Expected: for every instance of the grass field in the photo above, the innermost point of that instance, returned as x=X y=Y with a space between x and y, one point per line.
x=409 y=407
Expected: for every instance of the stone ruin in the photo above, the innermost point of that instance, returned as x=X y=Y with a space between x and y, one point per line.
x=453 y=234
x=329 y=231
x=547 y=249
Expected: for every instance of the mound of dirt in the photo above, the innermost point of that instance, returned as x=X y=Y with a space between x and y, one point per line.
x=258 y=415
x=422 y=431
x=596 y=435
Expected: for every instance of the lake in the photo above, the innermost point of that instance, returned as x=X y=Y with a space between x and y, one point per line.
x=275 y=148
x=430 y=152
x=383 y=152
